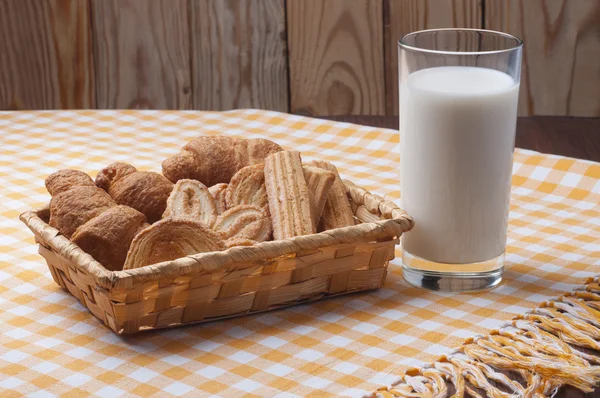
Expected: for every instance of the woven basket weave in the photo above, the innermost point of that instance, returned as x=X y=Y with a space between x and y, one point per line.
x=241 y=280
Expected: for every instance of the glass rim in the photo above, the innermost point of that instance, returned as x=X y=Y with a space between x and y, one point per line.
x=402 y=44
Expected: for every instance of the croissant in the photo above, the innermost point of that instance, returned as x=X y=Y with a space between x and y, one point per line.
x=63 y=180
x=112 y=173
x=145 y=191
x=170 y=239
x=107 y=237
x=76 y=206
x=213 y=160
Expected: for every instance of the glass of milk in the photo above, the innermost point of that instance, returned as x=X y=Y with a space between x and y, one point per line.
x=459 y=91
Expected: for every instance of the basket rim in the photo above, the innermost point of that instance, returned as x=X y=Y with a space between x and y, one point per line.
x=396 y=222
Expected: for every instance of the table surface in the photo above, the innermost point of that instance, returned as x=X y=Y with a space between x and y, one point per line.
x=577 y=137
x=346 y=345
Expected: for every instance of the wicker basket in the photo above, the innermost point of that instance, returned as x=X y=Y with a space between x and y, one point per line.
x=242 y=280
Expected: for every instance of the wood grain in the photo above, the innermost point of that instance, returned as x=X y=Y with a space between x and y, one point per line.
x=404 y=16
x=336 y=57
x=561 y=72
x=45 y=55
x=142 y=54
x=239 y=54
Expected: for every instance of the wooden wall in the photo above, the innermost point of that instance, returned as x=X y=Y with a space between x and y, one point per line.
x=316 y=57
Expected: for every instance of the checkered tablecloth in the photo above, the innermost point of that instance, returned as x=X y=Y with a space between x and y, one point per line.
x=51 y=345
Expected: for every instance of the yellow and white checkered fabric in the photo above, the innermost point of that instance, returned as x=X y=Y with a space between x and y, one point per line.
x=51 y=345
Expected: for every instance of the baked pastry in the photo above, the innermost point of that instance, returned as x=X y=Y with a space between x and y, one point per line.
x=107 y=237
x=112 y=173
x=337 y=212
x=218 y=191
x=247 y=187
x=319 y=183
x=244 y=222
x=213 y=160
x=65 y=179
x=191 y=198
x=289 y=201
x=145 y=191
x=170 y=239
x=233 y=242
x=74 y=207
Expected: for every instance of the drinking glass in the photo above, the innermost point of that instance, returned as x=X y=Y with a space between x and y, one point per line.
x=459 y=92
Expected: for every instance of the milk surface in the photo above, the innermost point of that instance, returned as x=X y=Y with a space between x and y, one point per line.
x=457 y=128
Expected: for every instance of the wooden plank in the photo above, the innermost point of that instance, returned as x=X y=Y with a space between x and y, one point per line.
x=142 y=54
x=45 y=55
x=239 y=54
x=336 y=57
x=405 y=16
x=561 y=72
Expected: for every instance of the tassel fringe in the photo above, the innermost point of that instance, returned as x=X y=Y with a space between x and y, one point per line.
x=544 y=348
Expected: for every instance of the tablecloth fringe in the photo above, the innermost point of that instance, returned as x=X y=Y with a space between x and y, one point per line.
x=542 y=346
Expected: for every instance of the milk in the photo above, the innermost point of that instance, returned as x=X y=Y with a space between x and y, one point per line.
x=457 y=129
